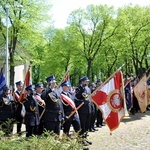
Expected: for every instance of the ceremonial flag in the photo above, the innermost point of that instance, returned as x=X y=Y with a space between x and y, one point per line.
x=128 y=95
x=2 y=81
x=110 y=100
x=23 y=93
x=26 y=83
x=140 y=91
x=67 y=78
x=68 y=100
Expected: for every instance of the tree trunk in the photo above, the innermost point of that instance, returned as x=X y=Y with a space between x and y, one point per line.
x=89 y=62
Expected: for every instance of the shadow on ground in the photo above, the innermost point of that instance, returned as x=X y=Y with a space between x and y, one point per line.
x=135 y=117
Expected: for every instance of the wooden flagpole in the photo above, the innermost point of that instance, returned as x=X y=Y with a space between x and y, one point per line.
x=142 y=77
x=106 y=81
x=69 y=67
x=73 y=112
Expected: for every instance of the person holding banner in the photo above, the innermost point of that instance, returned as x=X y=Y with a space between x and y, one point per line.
x=41 y=104
x=69 y=106
x=19 y=117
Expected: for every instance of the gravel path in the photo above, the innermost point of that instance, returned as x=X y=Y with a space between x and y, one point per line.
x=133 y=134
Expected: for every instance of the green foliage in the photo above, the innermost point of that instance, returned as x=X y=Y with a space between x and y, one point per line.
x=45 y=142
x=96 y=42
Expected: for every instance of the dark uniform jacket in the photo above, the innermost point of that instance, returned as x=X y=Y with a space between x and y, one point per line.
x=7 y=107
x=18 y=104
x=81 y=96
x=32 y=112
x=41 y=107
x=54 y=110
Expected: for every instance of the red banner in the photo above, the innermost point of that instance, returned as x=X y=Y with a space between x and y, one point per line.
x=26 y=83
x=110 y=100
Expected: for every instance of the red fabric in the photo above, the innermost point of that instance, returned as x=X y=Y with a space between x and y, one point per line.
x=68 y=100
x=26 y=83
x=110 y=101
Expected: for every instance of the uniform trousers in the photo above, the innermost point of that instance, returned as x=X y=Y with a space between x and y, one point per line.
x=85 y=121
x=31 y=130
x=75 y=122
x=53 y=126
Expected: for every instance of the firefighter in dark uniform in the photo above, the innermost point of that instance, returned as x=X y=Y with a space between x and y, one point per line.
x=92 y=128
x=41 y=104
x=19 y=117
x=74 y=119
x=54 y=113
x=7 y=111
x=85 y=111
x=32 y=113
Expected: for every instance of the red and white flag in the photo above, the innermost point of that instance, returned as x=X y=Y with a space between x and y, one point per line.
x=110 y=101
x=68 y=100
x=26 y=83
x=23 y=93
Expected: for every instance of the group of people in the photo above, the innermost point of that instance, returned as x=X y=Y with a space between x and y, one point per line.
x=50 y=109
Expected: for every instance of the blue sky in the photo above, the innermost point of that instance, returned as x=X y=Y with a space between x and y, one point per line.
x=62 y=8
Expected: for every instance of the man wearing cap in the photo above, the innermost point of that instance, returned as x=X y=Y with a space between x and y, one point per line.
x=32 y=119
x=19 y=117
x=93 y=110
x=68 y=108
x=84 y=112
x=41 y=104
x=7 y=111
x=54 y=110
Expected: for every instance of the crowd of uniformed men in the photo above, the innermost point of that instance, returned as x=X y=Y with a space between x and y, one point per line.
x=43 y=109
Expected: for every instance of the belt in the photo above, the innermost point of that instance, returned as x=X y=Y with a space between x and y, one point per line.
x=52 y=111
x=31 y=113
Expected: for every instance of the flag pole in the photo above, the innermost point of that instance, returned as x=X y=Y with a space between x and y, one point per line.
x=68 y=68
x=106 y=81
x=142 y=77
x=73 y=112
x=128 y=80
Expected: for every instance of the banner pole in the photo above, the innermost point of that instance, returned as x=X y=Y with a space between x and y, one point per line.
x=73 y=112
x=106 y=81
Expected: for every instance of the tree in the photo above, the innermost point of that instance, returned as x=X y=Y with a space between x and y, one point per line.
x=93 y=27
x=135 y=38
x=25 y=26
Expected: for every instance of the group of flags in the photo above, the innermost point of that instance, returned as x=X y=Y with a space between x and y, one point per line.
x=112 y=97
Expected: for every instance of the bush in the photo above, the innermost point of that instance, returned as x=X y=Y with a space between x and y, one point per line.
x=44 y=142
